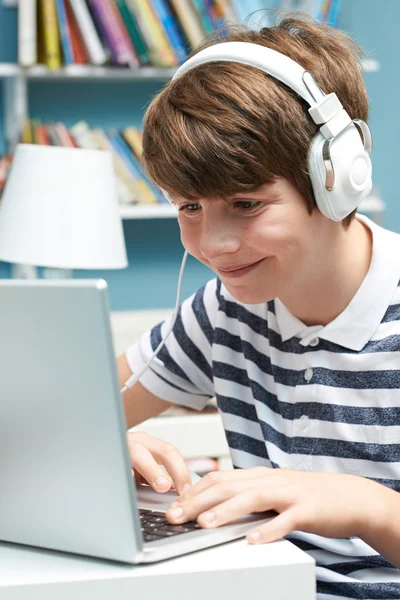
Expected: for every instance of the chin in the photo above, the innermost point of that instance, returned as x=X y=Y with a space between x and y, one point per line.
x=246 y=296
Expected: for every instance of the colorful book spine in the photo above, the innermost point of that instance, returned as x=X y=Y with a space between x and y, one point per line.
x=50 y=34
x=64 y=135
x=27 y=33
x=215 y=16
x=127 y=193
x=133 y=137
x=144 y=193
x=171 y=30
x=333 y=13
x=204 y=16
x=65 y=36
x=161 y=52
x=190 y=21
x=133 y=31
x=227 y=11
x=26 y=136
x=113 y=29
x=78 y=47
x=94 y=48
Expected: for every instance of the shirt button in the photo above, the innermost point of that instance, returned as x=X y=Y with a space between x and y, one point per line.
x=303 y=421
x=314 y=342
x=308 y=374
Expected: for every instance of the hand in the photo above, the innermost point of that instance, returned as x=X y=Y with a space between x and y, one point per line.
x=328 y=504
x=148 y=453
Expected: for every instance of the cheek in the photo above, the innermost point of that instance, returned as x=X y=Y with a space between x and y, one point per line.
x=189 y=239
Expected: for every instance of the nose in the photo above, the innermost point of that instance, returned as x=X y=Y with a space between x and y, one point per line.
x=217 y=239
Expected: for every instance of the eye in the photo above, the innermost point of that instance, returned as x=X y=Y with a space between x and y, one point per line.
x=247 y=205
x=190 y=208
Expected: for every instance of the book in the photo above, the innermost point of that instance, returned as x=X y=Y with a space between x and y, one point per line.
x=205 y=18
x=78 y=47
x=26 y=134
x=112 y=27
x=65 y=36
x=134 y=32
x=332 y=14
x=143 y=192
x=27 y=33
x=167 y=20
x=161 y=52
x=64 y=135
x=127 y=193
x=226 y=9
x=51 y=40
x=215 y=15
x=94 y=48
x=189 y=20
x=133 y=137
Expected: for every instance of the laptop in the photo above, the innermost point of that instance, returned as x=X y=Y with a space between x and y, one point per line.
x=65 y=472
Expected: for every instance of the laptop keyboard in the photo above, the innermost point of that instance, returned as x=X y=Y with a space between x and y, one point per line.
x=156 y=527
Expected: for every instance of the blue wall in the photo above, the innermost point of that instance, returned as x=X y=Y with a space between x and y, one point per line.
x=154 y=249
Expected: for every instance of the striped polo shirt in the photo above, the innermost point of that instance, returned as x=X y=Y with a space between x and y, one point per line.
x=320 y=398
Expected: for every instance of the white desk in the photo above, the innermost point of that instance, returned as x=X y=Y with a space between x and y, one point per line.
x=234 y=571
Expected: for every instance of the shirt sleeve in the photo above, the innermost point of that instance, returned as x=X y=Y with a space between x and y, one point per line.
x=182 y=371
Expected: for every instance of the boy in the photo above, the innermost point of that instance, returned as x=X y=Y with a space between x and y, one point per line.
x=297 y=337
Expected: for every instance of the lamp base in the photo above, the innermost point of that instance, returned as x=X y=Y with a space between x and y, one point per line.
x=55 y=273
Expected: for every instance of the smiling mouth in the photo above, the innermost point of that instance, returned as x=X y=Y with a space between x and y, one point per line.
x=239 y=271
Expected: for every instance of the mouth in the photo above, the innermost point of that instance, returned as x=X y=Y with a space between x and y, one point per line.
x=239 y=270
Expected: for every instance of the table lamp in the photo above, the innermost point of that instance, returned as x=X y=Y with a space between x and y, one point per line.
x=59 y=210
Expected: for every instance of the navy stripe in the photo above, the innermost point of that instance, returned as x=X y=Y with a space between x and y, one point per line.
x=164 y=355
x=240 y=441
x=389 y=343
x=392 y=313
x=190 y=349
x=372 y=591
x=239 y=312
x=373 y=562
x=200 y=313
x=316 y=446
x=176 y=387
x=232 y=406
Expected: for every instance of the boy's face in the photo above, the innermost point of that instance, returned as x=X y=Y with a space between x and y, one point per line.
x=262 y=245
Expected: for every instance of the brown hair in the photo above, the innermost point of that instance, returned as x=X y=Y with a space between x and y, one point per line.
x=225 y=128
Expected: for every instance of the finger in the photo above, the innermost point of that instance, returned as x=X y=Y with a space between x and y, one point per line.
x=173 y=461
x=277 y=528
x=190 y=508
x=217 y=477
x=253 y=500
x=145 y=464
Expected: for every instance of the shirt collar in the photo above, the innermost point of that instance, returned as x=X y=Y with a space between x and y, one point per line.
x=355 y=326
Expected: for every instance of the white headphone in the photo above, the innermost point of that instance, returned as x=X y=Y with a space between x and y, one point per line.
x=339 y=161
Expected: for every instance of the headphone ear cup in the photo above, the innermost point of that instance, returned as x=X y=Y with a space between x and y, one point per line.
x=352 y=170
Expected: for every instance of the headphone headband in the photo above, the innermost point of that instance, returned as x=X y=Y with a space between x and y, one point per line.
x=338 y=158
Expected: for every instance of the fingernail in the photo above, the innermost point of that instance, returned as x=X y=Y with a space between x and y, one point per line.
x=208 y=517
x=161 y=480
x=175 y=512
x=186 y=487
x=255 y=536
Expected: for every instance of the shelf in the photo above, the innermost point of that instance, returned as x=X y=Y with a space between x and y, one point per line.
x=9 y=70
x=148 y=211
x=89 y=73
x=95 y=73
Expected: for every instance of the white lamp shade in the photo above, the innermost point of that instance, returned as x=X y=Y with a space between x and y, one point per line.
x=60 y=209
